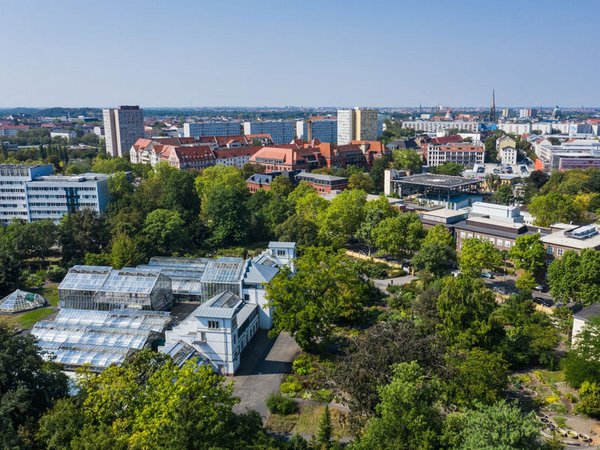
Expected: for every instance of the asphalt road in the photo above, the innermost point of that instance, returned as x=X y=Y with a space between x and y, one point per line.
x=264 y=364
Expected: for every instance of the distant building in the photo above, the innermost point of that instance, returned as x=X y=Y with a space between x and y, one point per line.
x=436 y=126
x=32 y=192
x=282 y=132
x=507 y=151
x=323 y=128
x=323 y=183
x=515 y=128
x=527 y=113
x=286 y=158
x=122 y=127
x=65 y=134
x=565 y=237
x=12 y=130
x=263 y=181
x=356 y=125
x=182 y=153
x=202 y=129
x=464 y=153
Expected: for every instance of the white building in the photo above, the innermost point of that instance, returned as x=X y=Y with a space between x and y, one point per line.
x=581 y=318
x=202 y=129
x=122 y=127
x=515 y=128
x=32 y=192
x=282 y=132
x=221 y=327
x=433 y=126
x=65 y=134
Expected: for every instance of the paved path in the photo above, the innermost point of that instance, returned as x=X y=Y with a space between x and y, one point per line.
x=383 y=284
x=264 y=364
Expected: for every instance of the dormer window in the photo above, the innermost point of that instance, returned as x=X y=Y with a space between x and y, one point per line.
x=213 y=324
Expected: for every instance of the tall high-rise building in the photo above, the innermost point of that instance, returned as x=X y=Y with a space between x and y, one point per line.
x=356 y=125
x=122 y=127
x=281 y=131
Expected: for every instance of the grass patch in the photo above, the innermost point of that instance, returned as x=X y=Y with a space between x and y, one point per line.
x=551 y=377
x=29 y=319
x=307 y=421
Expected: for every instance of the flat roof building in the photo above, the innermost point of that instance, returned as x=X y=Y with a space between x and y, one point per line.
x=122 y=127
x=33 y=192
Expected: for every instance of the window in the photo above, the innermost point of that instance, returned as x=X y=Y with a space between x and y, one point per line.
x=559 y=251
x=549 y=250
x=246 y=297
x=213 y=324
x=280 y=252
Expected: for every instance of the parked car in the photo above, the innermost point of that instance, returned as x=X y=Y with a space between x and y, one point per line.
x=540 y=288
x=488 y=275
x=509 y=169
x=543 y=301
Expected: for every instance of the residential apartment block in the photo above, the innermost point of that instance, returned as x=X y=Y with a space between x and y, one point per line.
x=464 y=153
x=12 y=130
x=282 y=132
x=323 y=128
x=122 y=127
x=435 y=126
x=202 y=129
x=356 y=124
x=506 y=148
x=32 y=192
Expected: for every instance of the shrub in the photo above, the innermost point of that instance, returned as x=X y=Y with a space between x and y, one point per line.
x=278 y=404
x=323 y=395
x=33 y=280
x=291 y=387
x=589 y=399
x=302 y=365
x=55 y=273
x=373 y=269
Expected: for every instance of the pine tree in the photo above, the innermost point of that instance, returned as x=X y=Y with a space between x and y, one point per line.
x=325 y=431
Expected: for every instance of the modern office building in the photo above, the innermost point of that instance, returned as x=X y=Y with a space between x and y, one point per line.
x=32 y=192
x=281 y=131
x=122 y=127
x=356 y=125
x=202 y=129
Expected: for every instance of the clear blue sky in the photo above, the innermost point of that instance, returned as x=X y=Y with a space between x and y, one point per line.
x=305 y=53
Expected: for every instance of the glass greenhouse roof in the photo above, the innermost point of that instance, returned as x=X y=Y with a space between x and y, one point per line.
x=98 y=338
x=104 y=279
x=224 y=270
x=21 y=301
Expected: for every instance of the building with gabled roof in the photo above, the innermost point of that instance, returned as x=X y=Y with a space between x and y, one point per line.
x=20 y=301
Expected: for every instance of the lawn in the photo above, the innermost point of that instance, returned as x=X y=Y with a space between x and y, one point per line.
x=29 y=319
x=307 y=421
x=552 y=377
x=49 y=292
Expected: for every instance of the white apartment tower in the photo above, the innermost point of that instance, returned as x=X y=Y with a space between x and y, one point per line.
x=356 y=125
x=122 y=127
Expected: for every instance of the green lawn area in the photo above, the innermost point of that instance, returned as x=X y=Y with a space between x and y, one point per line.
x=307 y=421
x=29 y=319
x=552 y=377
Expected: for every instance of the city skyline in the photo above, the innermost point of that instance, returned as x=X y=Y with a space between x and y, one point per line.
x=258 y=53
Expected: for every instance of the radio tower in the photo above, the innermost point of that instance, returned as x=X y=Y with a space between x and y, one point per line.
x=493 y=108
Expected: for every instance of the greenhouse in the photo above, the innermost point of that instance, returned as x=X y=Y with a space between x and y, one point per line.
x=98 y=338
x=21 y=301
x=221 y=275
x=103 y=288
x=185 y=274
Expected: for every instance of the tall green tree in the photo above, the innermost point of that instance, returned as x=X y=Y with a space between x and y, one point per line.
x=528 y=253
x=504 y=195
x=340 y=221
x=164 y=230
x=325 y=431
x=82 y=232
x=407 y=417
x=574 y=277
x=28 y=387
x=465 y=308
x=326 y=288
x=583 y=361
x=477 y=255
x=374 y=213
x=407 y=159
x=399 y=236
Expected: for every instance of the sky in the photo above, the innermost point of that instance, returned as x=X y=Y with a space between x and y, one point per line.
x=182 y=53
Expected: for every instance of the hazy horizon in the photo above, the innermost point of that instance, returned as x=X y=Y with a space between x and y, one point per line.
x=191 y=54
